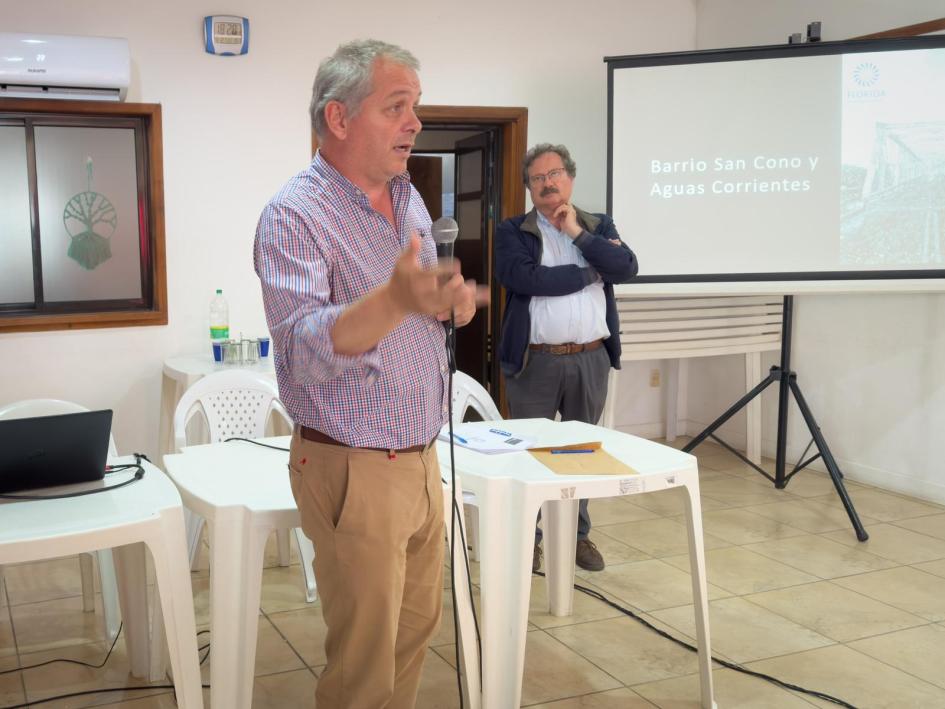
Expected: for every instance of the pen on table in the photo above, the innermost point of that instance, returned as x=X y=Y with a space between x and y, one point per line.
x=572 y=450
x=460 y=438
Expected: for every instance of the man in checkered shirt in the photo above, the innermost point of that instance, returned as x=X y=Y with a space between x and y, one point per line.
x=355 y=305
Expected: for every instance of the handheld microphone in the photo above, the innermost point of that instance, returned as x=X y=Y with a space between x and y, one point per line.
x=444 y=232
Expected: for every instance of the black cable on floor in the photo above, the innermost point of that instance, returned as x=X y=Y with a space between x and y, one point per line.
x=70 y=661
x=725 y=663
x=103 y=690
x=35 y=702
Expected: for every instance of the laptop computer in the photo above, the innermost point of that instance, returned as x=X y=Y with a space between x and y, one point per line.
x=49 y=451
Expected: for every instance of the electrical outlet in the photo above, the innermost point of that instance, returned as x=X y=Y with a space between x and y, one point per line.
x=654 y=377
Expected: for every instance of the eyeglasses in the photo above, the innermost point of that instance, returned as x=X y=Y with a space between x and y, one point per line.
x=555 y=175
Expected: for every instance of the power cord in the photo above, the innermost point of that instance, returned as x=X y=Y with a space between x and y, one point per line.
x=100 y=665
x=70 y=661
x=730 y=665
x=136 y=466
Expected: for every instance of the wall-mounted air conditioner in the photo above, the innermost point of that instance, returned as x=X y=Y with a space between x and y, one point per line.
x=63 y=67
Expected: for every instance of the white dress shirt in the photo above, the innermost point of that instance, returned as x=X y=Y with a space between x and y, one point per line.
x=579 y=317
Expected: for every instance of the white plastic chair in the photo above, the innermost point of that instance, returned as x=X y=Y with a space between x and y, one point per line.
x=106 y=565
x=237 y=404
x=470 y=394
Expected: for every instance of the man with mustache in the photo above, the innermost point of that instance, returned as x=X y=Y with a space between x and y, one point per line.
x=354 y=302
x=560 y=334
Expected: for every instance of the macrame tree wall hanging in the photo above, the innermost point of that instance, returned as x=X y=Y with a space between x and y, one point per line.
x=90 y=220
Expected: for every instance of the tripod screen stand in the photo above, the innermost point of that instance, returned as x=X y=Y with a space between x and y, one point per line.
x=787 y=386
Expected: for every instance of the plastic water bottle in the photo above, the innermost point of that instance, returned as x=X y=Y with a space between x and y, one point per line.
x=219 y=319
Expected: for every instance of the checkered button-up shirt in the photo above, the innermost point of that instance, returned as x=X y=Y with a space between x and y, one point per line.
x=320 y=246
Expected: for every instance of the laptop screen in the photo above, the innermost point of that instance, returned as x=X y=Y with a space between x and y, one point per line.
x=48 y=451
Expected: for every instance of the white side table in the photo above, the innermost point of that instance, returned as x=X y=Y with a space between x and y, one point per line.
x=148 y=514
x=509 y=490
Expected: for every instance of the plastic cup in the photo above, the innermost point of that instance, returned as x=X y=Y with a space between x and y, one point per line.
x=217 y=351
x=250 y=351
x=232 y=352
x=263 y=346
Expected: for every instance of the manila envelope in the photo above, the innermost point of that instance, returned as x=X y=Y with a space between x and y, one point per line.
x=600 y=462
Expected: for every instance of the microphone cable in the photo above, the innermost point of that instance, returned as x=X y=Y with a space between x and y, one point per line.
x=594 y=593
x=455 y=511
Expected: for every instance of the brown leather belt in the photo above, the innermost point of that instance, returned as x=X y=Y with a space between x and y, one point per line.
x=316 y=436
x=568 y=347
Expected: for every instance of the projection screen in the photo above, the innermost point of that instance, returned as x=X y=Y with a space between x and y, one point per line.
x=814 y=165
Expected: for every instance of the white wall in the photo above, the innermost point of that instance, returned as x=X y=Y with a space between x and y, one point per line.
x=236 y=128
x=869 y=365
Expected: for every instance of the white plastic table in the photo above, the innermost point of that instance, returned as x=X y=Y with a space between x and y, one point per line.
x=243 y=492
x=145 y=513
x=510 y=488
x=179 y=374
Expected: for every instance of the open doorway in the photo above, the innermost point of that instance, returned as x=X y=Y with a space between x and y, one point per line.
x=467 y=164
x=481 y=150
x=455 y=172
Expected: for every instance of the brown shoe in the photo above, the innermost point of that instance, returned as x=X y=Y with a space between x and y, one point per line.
x=587 y=557
x=536 y=559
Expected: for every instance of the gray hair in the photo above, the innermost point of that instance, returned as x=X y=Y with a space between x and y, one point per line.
x=346 y=76
x=542 y=148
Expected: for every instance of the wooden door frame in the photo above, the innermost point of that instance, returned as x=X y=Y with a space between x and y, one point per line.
x=514 y=124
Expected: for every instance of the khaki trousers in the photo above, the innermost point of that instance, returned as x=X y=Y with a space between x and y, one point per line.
x=377 y=525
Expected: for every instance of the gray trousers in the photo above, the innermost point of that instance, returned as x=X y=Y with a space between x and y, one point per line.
x=573 y=385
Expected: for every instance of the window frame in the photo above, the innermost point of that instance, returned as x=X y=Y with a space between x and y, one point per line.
x=151 y=307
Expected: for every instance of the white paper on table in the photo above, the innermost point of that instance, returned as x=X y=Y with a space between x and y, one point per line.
x=494 y=439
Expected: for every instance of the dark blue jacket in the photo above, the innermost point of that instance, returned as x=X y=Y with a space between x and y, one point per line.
x=518 y=267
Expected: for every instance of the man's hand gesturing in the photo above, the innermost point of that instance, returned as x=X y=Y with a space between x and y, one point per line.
x=431 y=291
x=468 y=299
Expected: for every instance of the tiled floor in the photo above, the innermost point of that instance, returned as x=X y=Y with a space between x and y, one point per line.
x=793 y=594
